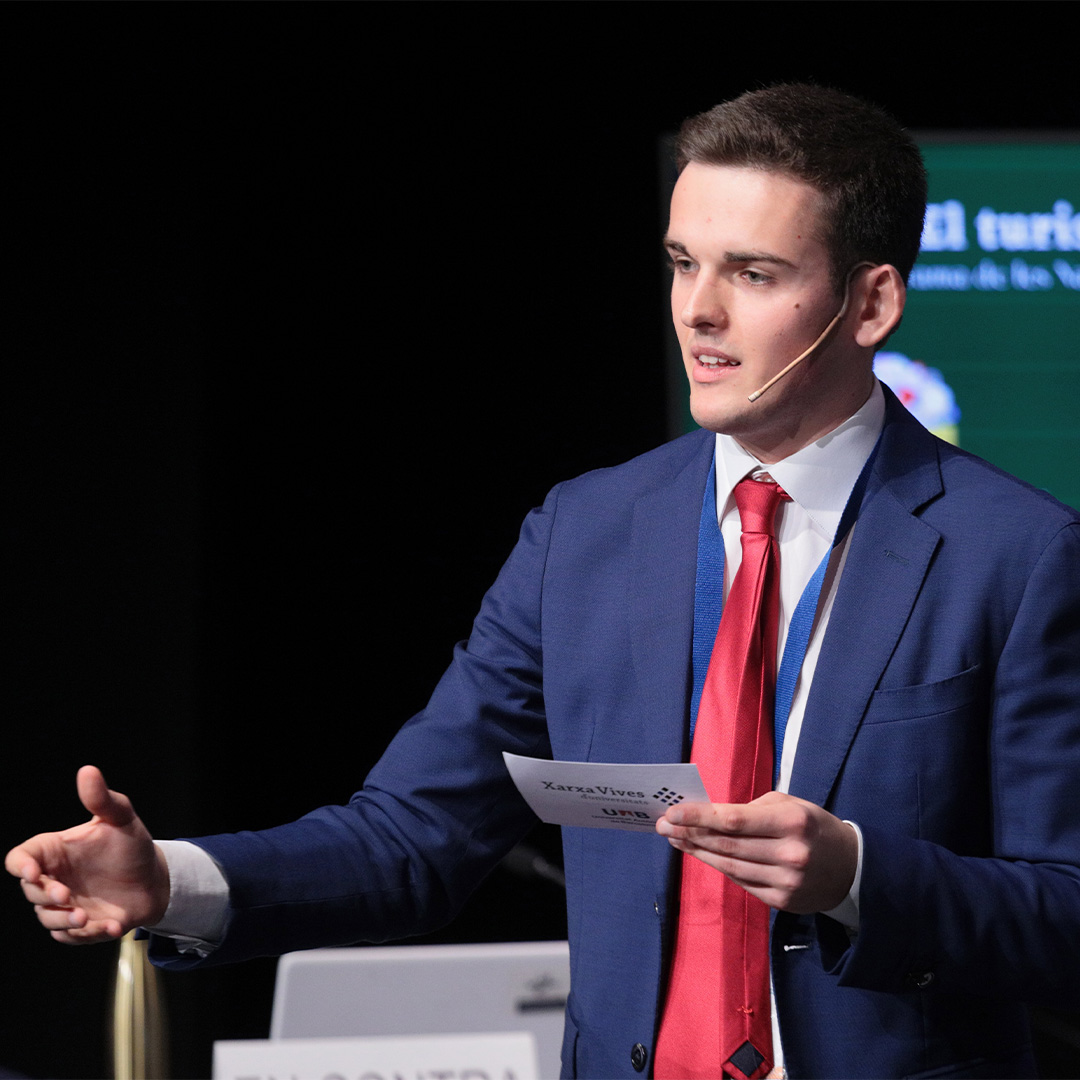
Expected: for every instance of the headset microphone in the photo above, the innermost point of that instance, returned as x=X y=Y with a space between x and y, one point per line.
x=824 y=334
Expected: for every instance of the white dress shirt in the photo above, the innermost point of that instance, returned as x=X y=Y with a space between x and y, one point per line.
x=819 y=478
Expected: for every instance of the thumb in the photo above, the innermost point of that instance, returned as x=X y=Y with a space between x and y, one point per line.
x=110 y=806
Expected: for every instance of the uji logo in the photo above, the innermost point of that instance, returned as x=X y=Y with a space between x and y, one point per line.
x=667 y=796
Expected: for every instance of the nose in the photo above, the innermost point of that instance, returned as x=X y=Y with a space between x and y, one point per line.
x=703 y=307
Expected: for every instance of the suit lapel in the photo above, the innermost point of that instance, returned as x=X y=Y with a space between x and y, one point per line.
x=890 y=554
x=661 y=602
x=888 y=559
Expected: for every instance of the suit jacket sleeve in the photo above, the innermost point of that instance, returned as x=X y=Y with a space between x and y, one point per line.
x=435 y=815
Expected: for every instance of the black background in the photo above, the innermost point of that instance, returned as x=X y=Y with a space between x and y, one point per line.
x=303 y=307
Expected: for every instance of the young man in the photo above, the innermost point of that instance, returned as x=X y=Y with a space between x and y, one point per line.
x=920 y=850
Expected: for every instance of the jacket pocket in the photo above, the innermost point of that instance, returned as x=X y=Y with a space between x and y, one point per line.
x=925 y=699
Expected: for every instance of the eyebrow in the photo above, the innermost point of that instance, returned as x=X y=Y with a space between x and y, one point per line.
x=736 y=256
x=758 y=256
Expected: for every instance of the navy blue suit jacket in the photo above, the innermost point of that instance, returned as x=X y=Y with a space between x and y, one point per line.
x=944 y=718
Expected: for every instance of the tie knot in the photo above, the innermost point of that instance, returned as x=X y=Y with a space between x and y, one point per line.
x=758 y=501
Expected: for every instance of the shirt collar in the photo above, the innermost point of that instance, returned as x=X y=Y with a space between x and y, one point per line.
x=819 y=477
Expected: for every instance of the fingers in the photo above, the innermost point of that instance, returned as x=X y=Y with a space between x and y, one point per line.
x=772 y=815
x=91 y=934
x=94 y=793
x=722 y=842
x=73 y=925
x=61 y=918
x=46 y=891
x=21 y=864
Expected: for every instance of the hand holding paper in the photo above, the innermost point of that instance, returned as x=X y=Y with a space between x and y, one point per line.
x=788 y=852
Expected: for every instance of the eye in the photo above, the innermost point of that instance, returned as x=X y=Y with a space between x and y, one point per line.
x=680 y=264
x=756 y=277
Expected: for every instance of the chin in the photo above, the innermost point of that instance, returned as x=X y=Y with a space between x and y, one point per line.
x=727 y=418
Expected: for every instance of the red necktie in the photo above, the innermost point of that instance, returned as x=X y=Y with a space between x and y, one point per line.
x=717 y=1015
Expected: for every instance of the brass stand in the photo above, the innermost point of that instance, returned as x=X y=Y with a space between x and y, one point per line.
x=139 y=1035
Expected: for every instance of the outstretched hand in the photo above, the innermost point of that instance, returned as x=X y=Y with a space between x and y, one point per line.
x=98 y=880
x=788 y=852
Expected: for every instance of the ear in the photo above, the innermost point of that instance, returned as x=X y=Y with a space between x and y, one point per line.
x=878 y=299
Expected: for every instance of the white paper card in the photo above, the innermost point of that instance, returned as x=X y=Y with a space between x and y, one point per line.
x=603 y=796
x=420 y=1057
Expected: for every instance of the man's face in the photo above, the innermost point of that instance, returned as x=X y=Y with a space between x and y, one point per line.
x=751 y=291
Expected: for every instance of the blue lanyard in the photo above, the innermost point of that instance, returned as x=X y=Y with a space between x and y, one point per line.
x=709 y=603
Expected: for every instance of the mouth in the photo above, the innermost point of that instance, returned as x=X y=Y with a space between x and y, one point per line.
x=717 y=361
x=711 y=365
x=711 y=358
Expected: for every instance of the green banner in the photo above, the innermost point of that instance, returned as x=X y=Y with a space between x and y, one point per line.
x=994 y=305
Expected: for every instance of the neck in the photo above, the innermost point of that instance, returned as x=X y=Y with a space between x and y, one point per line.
x=805 y=431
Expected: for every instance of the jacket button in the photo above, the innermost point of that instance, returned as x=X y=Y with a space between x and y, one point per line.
x=638 y=1056
x=921 y=979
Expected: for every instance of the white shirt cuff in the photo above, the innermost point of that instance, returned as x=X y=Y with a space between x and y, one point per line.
x=198 y=899
x=847 y=911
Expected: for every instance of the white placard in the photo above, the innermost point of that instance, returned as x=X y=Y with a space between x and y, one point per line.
x=418 y=1057
x=603 y=796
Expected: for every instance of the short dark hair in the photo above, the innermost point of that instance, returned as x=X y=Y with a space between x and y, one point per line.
x=866 y=166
